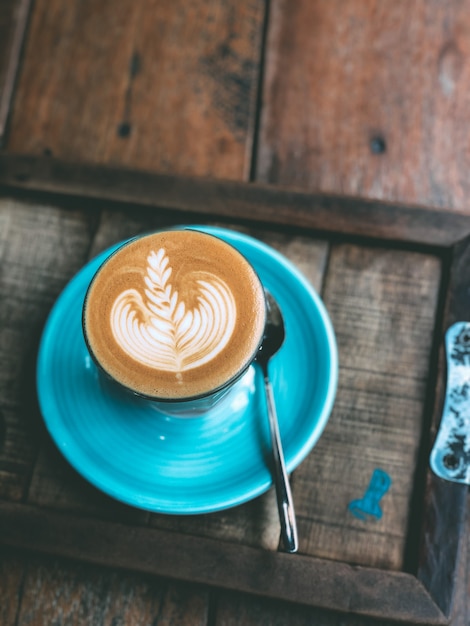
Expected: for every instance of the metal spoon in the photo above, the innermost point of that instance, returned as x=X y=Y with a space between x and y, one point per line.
x=274 y=335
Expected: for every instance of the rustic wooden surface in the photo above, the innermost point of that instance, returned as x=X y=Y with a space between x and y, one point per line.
x=165 y=85
x=323 y=213
x=365 y=99
x=7 y=24
x=369 y=99
x=384 y=332
x=13 y=23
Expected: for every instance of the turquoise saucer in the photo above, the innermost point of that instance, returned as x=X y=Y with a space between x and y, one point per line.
x=134 y=453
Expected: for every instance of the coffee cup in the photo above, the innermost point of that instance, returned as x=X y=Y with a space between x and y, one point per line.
x=175 y=317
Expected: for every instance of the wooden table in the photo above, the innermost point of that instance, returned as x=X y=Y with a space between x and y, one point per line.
x=336 y=133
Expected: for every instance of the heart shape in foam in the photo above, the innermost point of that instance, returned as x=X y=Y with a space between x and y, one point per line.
x=155 y=326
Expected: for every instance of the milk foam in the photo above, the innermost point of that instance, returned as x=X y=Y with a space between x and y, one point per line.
x=156 y=328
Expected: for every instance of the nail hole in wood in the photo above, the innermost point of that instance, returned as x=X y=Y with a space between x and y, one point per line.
x=378 y=145
x=124 y=130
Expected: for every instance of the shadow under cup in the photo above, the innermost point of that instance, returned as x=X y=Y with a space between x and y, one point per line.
x=240 y=378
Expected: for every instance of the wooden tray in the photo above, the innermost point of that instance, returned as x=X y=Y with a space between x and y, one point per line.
x=375 y=264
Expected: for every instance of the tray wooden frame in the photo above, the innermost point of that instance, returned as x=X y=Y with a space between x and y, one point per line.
x=422 y=596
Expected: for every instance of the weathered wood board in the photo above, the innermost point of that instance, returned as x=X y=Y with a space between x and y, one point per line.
x=383 y=306
x=368 y=99
x=40 y=248
x=13 y=22
x=137 y=599
x=158 y=85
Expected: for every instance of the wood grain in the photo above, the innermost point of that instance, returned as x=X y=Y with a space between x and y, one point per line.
x=40 y=247
x=13 y=21
x=155 y=84
x=235 y=609
x=56 y=485
x=255 y=523
x=7 y=29
x=7 y=16
x=368 y=98
x=383 y=307
x=58 y=592
x=297 y=578
x=12 y=570
x=233 y=200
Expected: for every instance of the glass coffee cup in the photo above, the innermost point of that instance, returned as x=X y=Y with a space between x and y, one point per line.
x=175 y=317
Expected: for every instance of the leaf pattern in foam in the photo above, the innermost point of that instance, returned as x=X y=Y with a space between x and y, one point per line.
x=156 y=328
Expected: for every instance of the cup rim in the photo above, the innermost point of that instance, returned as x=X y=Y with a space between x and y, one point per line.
x=180 y=399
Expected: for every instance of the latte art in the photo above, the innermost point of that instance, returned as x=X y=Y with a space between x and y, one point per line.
x=157 y=329
x=174 y=315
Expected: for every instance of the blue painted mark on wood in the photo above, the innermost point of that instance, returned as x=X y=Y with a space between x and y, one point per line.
x=369 y=505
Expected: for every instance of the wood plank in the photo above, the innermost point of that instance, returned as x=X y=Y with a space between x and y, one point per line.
x=12 y=571
x=13 y=21
x=336 y=214
x=155 y=84
x=296 y=578
x=59 y=592
x=40 y=247
x=56 y=485
x=7 y=29
x=308 y=254
x=233 y=609
x=383 y=308
x=368 y=98
x=7 y=12
x=255 y=523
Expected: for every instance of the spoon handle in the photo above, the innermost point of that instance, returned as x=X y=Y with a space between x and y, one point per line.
x=285 y=502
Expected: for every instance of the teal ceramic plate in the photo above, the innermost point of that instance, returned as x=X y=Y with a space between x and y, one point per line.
x=139 y=456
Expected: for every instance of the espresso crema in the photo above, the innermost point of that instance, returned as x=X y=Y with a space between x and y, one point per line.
x=174 y=314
